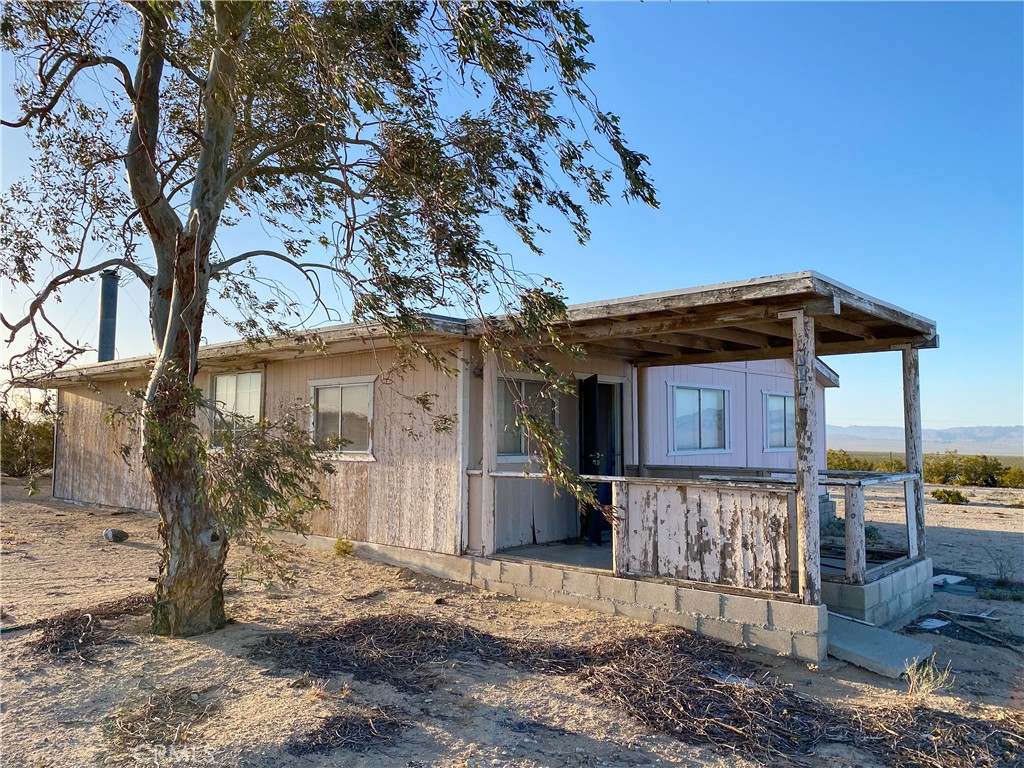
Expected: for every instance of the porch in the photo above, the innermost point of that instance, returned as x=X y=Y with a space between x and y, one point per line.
x=738 y=533
x=753 y=533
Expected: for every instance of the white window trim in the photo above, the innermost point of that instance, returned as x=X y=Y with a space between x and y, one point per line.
x=765 y=394
x=213 y=408
x=347 y=381
x=672 y=451
x=519 y=458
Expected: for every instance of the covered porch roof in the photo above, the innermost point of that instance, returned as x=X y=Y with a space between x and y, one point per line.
x=744 y=320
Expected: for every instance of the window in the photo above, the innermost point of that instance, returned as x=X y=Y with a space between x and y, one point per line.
x=780 y=421
x=237 y=398
x=511 y=439
x=698 y=419
x=341 y=415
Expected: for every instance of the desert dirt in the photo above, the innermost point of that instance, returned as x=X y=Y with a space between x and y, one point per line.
x=135 y=699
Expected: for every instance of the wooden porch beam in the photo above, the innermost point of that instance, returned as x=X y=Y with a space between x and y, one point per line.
x=489 y=462
x=642 y=416
x=914 y=452
x=848 y=327
x=771 y=328
x=856 y=553
x=808 y=532
x=620 y=528
x=697 y=320
x=775 y=353
x=747 y=338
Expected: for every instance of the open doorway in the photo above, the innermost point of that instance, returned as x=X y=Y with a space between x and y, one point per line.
x=600 y=449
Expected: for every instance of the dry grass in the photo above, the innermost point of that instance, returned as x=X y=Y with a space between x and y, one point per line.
x=167 y=717
x=924 y=678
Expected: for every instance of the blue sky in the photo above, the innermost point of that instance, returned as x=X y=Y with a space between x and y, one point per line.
x=880 y=144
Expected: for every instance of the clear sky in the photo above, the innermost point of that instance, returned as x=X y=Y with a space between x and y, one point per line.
x=880 y=144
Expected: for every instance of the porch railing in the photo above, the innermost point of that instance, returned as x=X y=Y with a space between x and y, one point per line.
x=730 y=533
x=722 y=529
x=853 y=484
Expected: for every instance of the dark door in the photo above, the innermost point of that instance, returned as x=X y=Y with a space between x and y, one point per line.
x=600 y=438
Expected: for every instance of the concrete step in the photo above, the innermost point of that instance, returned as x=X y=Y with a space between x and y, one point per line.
x=878 y=650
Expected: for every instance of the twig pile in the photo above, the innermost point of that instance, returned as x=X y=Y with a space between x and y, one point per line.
x=352 y=729
x=167 y=718
x=400 y=649
x=73 y=635
x=670 y=680
x=673 y=682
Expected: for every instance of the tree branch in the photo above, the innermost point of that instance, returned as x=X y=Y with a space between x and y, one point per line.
x=83 y=63
x=64 y=278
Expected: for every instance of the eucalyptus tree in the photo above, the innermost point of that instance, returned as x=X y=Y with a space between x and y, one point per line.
x=368 y=140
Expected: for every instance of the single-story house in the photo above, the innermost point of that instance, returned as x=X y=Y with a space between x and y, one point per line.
x=698 y=415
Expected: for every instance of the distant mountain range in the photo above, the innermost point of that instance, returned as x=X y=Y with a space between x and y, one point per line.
x=993 y=441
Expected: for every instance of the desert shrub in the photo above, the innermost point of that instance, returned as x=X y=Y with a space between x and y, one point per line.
x=343 y=547
x=26 y=439
x=925 y=678
x=950 y=468
x=949 y=496
x=892 y=464
x=1013 y=477
x=840 y=459
x=873 y=534
x=942 y=469
x=984 y=471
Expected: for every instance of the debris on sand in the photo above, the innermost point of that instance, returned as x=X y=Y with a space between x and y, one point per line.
x=73 y=635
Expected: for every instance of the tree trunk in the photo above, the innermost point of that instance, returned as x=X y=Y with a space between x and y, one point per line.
x=190 y=591
x=189 y=595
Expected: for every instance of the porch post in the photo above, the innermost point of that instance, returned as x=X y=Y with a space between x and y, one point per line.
x=462 y=447
x=856 y=556
x=620 y=530
x=642 y=417
x=489 y=461
x=915 y=451
x=808 y=532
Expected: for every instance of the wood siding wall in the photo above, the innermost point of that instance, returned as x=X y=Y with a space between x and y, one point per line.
x=747 y=383
x=407 y=495
x=718 y=535
x=87 y=462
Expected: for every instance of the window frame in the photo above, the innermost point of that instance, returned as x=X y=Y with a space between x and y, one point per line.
x=342 y=382
x=215 y=410
x=524 y=456
x=768 y=448
x=726 y=418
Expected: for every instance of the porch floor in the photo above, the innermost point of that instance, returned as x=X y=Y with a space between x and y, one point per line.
x=578 y=555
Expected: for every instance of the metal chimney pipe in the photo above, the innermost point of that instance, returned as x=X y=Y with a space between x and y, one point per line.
x=108 y=314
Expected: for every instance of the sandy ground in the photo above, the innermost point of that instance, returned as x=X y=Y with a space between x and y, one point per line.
x=53 y=558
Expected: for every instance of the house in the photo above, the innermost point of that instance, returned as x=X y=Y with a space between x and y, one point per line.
x=697 y=415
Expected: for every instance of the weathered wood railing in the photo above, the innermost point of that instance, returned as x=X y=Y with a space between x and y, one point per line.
x=729 y=533
x=853 y=484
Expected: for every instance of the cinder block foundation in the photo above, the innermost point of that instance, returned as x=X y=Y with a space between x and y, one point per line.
x=778 y=626
x=889 y=601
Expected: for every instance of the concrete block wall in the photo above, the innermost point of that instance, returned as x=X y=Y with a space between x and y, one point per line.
x=778 y=627
x=886 y=602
